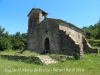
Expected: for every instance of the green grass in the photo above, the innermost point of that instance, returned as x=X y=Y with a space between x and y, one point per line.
x=9 y=52
x=90 y=65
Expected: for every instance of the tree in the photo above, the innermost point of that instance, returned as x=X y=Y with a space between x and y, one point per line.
x=19 y=41
x=5 y=44
x=15 y=41
x=87 y=32
x=93 y=31
x=1 y=31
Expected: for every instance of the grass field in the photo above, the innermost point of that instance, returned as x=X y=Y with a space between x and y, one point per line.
x=90 y=65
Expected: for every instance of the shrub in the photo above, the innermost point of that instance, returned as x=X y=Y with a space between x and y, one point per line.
x=76 y=56
x=94 y=42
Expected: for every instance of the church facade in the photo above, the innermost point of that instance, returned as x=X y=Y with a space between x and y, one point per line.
x=55 y=36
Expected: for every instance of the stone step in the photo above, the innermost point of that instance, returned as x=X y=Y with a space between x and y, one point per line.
x=46 y=60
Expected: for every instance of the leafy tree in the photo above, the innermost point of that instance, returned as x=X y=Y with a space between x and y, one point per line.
x=5 y=44
x=96 y=31
x=1 y=31
x=9 y=41
x=87 y=32
x=93 y=31
x=18 y=41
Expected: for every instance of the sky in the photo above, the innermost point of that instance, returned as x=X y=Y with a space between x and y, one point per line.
x=13 y=13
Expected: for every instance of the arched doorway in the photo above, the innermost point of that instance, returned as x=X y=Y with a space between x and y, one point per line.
x=47 y=45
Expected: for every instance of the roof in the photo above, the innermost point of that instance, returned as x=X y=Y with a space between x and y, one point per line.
x=68 y=23
x=60 y=20
x=43 y=12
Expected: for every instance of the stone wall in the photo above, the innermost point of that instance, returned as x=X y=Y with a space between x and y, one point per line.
x=32 y=43
x=87 y=48
x=49 y=29
x=67 y=45
x=75 y=35
x=17 y=57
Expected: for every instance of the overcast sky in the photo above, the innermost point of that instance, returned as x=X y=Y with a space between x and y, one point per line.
x=13 y=13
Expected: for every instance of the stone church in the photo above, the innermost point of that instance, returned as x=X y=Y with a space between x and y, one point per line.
x=50 y=35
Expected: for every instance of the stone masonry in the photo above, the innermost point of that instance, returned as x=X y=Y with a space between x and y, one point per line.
x=55 y=35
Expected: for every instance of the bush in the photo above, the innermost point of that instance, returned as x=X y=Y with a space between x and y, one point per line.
x=76 y=56
x=63 y=60
x=34 y=60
